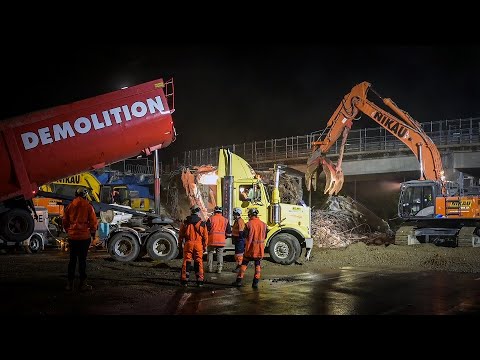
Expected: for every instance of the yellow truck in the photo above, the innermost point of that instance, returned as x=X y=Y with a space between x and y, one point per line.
x=235 y=184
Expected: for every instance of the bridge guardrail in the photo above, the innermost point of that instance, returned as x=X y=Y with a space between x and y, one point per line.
x=442 y=133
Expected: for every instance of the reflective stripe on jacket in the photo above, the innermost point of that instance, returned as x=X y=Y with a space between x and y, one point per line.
x=218 y=228
x=79 y=219
x=255 y=234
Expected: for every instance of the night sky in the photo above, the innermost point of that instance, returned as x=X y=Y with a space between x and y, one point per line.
x=243 y=92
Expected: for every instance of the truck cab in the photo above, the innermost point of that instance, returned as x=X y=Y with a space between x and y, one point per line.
x=288 y=226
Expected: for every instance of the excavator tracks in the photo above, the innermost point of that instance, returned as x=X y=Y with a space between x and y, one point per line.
x=466 y=237
x=403 y=233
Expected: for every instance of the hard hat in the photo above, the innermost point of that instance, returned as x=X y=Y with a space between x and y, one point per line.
x=81 y=192
x=253 y=212
x=194 y=209
x=218 y=209
x=237 y=211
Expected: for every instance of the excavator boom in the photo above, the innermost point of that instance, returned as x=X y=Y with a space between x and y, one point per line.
x=402 y=126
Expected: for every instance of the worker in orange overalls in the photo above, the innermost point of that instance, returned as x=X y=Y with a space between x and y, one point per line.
x=218 y=230
x=255 y=234
x=238 y=238
x=80 y=223
x=193 y=233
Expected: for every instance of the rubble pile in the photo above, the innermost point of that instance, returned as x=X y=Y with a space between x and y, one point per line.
x=173 y=196
x=183 y=188
x=290 y=186
x=342 y=222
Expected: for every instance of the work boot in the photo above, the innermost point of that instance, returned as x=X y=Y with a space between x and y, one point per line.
x=199 y=283
x=255 y=284
x=184 y=283
x=237 y=282
x=69 y=286
x=85 y=287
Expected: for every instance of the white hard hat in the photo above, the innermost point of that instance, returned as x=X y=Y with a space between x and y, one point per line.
x=237 y=211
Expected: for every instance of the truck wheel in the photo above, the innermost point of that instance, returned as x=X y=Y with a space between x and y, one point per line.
x=162 y=246
x=16 y=225
x=284 y=249
x=34 y=245
x=124 y=247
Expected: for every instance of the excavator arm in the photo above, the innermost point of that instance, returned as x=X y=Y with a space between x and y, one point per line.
x=402 y=126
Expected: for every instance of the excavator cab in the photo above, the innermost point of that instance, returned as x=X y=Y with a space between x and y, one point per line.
x=417 y=199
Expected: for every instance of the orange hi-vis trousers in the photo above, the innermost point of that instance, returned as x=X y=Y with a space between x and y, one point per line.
x=243 y=268
x=239 y=249
x=192 y=250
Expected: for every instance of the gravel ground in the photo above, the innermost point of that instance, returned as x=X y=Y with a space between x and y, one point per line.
x=413 y=257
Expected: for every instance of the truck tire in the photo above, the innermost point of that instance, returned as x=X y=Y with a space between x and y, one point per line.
x=34 y=245
x=284 y=249
x=16 y=225
x=124 y=247
x=162 y=246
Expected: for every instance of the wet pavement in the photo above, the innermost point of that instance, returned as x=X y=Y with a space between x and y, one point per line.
x=344 y=292
x=34 y=285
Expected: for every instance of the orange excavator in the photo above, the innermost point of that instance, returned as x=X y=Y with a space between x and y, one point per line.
x=434 y=210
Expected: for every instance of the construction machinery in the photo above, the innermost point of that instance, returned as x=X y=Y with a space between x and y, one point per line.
x=99 y=192
x=433 y=209
x=55 y=143
x=156 y=236
x=233 y=183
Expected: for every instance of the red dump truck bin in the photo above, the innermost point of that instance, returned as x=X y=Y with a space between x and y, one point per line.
x=50 y=144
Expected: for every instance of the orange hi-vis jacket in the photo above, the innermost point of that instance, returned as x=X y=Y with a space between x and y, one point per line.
x=193 y=230
x=218 y=229
x=255 y=235
x=79 y=219
x=238 y=227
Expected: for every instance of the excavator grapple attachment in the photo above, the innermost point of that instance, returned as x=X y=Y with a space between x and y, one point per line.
x=334 y=177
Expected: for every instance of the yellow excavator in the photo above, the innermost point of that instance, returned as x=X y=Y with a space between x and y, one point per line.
x=104 y=193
